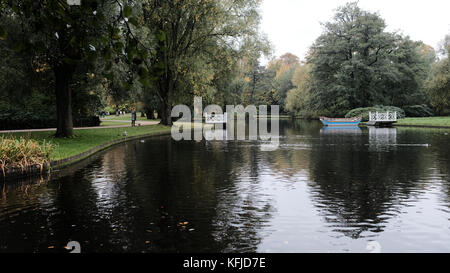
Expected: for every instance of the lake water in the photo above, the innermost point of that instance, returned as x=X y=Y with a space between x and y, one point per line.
x=351 y=190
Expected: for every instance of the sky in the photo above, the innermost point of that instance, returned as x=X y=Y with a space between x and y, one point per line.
x=293 y=25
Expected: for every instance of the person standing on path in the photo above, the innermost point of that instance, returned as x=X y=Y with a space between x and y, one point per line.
x=133 y=117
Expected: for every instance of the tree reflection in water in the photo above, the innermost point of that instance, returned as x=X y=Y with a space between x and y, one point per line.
x=322 y=190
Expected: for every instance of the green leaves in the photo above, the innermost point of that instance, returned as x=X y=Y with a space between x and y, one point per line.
x=115 y=34
x=133 y=21
x=144 y=76
x=141 y=50
x=3 y=33
x=127 y=11
x=21 y=46
x=161 y=35
x=127 y=86
x=357 y=63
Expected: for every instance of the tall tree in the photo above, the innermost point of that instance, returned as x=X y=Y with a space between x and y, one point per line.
x=283 y=69
x=356 y=63
x=193 y=36
x=65 y=37
x=297 y=98
x=438 y=83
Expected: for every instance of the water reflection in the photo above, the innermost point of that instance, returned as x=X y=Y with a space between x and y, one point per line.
x=322 y=190
x=327 y=130
x=359 y=190
x=381 y=139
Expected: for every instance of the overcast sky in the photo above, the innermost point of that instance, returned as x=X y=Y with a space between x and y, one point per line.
x=293 y=25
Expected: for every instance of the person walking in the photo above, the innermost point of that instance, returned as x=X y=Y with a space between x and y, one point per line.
x=133 y=117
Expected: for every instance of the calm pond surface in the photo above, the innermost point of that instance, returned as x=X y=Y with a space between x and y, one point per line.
x=321 y=191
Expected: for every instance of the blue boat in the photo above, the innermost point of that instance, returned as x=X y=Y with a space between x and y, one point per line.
x=341 y=121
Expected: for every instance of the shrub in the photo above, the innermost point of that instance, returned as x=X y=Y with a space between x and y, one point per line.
x=87 y=122
x=110 y=109
x=38 y=110
x=422 y=110
x=23 y=153
x=364 y=112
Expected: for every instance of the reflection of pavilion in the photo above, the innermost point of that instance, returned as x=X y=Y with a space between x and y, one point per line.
x=216 y=134
x=382 y=137
x=347 y=130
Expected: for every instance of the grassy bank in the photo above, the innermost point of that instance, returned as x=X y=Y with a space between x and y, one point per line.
x=21 y=153
x=84 y=140
x=425 y=122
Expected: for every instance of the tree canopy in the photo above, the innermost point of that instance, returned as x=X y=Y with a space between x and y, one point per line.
x=66 y=62
x=438 y=83
x=357 y=63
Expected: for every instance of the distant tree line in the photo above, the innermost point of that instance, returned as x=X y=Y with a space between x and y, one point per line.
x=354 y=65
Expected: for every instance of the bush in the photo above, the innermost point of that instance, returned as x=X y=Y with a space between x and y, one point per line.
x=110 y=109
x=364 y=112
x=23 y=153
x=422 y=110
x=86 y=122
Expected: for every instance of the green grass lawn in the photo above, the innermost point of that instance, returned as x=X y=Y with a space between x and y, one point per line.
x=429 y=121
x=126 y=117
x=87 y=139
x=106 y=122
x=115 y=123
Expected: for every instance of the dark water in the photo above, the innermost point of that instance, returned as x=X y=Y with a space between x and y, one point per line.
x=321 y=191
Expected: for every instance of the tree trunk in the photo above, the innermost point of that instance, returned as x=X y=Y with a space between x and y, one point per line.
x=166 y=113
x=63 y=77
x=168 y=85
x=149 y=113
x=158 y=113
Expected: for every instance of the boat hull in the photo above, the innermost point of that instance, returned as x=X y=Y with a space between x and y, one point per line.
x=340 y=122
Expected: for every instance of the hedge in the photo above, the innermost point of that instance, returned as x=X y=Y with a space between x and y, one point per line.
x=10 y=121
x=422 y=110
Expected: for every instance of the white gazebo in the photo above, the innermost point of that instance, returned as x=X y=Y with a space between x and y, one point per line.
x=382 y=119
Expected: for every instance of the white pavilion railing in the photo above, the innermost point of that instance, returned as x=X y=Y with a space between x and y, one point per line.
x=378 y=117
